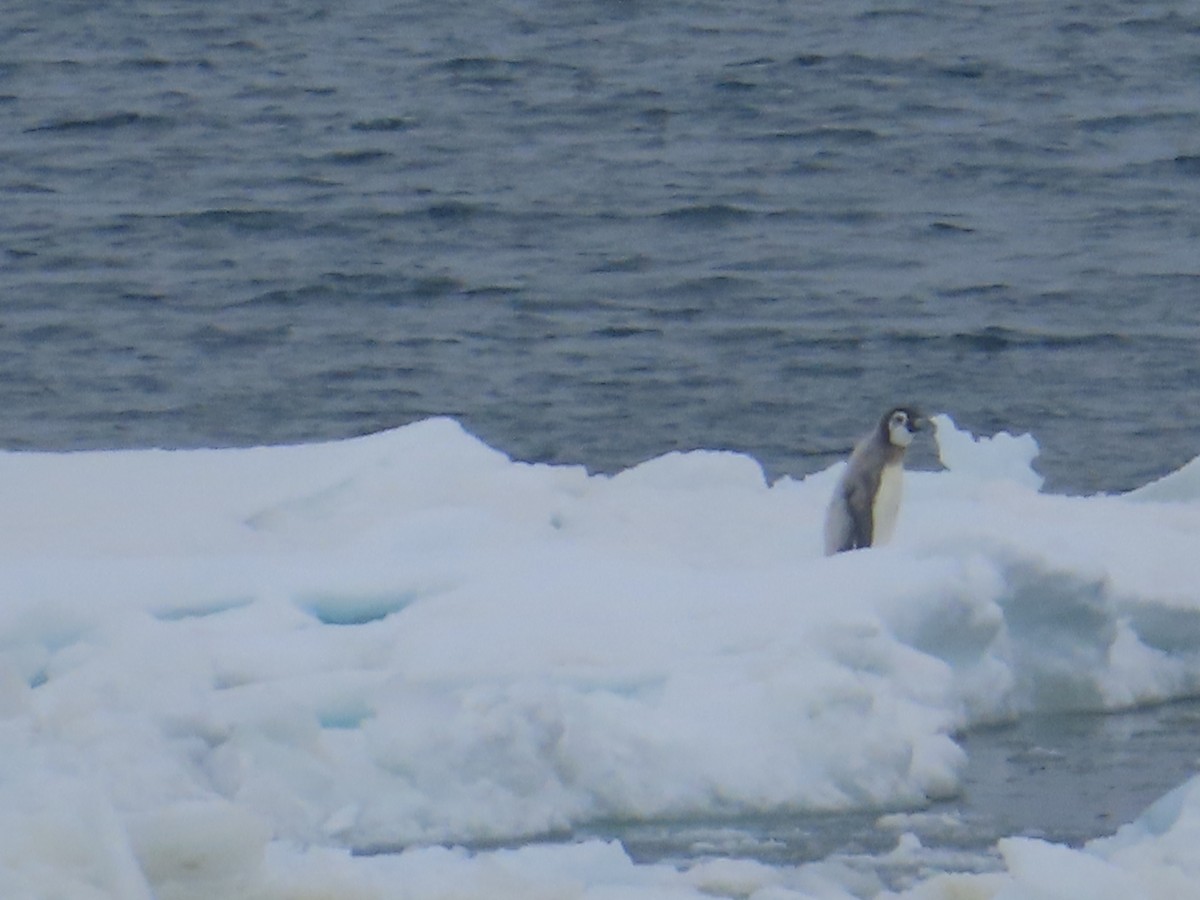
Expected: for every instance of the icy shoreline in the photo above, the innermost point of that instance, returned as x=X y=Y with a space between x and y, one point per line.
x=220 y=668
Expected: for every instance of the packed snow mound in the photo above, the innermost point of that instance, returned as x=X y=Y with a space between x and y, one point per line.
x=1001 y=457
x=408 y=638
x=1182 y=486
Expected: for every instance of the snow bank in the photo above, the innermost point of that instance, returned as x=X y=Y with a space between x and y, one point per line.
x=219 y=669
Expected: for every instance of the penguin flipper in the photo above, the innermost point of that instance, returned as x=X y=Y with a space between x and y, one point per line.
x=860 y=504
x=864 y=528
x=839 y=528
x=848 y=524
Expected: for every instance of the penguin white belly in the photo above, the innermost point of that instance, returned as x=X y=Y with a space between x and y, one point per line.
x=887 y=503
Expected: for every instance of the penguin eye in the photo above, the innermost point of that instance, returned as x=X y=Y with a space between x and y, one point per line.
x=899 y=418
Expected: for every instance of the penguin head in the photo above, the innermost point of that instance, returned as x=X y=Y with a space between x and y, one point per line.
x=901 y=424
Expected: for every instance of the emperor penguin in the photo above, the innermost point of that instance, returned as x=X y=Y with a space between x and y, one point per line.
x=866 y=500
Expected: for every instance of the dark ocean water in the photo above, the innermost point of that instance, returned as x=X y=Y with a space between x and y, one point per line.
x=598 y=230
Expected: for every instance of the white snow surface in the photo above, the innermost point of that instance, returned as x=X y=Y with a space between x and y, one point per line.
x=222 y=671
